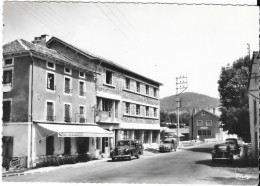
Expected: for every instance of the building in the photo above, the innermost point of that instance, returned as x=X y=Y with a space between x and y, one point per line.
x=204 y=125
x=127 y=102
x=48 y=104
x=253 y=96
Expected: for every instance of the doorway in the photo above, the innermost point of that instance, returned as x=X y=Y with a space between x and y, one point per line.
x=67 y=145
x=49 y=145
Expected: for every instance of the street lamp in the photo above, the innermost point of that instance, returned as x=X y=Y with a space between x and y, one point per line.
x=181 y=86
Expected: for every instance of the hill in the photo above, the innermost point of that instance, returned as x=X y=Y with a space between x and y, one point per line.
x=190 y=100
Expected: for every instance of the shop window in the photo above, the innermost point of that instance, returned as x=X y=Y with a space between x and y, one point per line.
x=154 y=136
x=127 y=83
x=67 y=145
x=109 y=77
x=50 y=81
x=199 y=132
x=138 y=87
x=137 y=110
x=127 y=108
x=137 y=135
x=82 y=145
x=6 y=111
x=125 y=134
x=49 y=145
x=50 y=111
x=208 y=132
x=146 y=136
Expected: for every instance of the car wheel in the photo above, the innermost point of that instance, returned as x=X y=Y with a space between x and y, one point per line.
x=137 y=156
x=130 y=158
x=113 y=159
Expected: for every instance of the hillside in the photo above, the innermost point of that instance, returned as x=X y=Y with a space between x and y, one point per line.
x=190 y=100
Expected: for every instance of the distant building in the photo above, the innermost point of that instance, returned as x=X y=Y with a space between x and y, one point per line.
x=253 y=96
x=204 y=125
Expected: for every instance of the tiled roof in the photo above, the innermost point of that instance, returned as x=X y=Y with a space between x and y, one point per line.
x=21 y=46
x=90 y=55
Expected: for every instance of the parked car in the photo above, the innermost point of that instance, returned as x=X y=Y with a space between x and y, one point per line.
x=168 y=145
x=222 y=151
x=126 y=149
x=235 y=148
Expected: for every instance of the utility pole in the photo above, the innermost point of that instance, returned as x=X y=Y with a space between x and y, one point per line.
x=181 y=86
x=248 y=48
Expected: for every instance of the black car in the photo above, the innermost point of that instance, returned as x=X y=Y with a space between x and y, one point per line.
x=222 y=152
x=235 y=142
x=126 y=149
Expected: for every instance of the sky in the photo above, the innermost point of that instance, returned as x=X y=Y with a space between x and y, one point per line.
x=159 y=41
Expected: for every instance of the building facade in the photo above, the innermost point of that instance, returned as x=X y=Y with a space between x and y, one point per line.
x=253 y=96
x=204 y=125
x=127 y=102
x=48 y=104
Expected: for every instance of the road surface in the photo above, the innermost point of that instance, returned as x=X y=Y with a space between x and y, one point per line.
x=189 y=166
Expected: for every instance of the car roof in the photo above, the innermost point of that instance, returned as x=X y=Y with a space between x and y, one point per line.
x=222 y=144
x=229 y=141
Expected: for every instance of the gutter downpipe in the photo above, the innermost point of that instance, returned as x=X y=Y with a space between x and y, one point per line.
x=31 y=110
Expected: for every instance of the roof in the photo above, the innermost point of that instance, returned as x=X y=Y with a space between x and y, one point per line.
x=254 y=57
x=203 y=110
x=103 y=60
x=20 y=46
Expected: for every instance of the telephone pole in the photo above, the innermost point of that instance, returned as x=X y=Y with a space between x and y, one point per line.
x=181 y=86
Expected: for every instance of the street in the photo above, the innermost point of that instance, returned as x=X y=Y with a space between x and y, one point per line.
x=186 y=166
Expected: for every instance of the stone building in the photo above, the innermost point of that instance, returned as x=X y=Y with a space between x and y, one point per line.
x=204 y=125
x=127 y=102
x=48 y=104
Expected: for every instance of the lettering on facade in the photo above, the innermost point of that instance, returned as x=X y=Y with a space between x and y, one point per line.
x=204 y=127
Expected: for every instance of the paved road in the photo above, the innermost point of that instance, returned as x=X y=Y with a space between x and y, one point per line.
x=190 y=166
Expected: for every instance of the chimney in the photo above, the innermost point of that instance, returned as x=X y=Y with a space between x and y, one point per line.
x=40 y=40
x=214 y=110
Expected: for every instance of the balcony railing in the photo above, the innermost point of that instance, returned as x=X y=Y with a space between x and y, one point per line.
x=81 y=93
x=82 y=120
x=68 y=119
x=50 y=118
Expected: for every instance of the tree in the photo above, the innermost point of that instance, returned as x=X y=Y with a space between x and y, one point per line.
x=234 y=98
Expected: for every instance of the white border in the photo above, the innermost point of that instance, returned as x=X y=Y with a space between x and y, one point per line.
x=54 y=65
x=67 y=72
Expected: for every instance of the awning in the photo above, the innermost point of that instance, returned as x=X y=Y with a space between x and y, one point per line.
x=72 y=130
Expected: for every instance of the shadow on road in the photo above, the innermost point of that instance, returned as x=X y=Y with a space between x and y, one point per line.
x=120 y=160
x=200 y=149
x=237 y=163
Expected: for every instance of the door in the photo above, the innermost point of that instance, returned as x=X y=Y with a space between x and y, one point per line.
x=82 y=145
x=49 y=145
x=67 y=145
x=7 y=150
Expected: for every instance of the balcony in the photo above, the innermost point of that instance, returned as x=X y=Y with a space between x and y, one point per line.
x=50 y=118
x=105 y=116
x=68 y=90
x=81 y=93
x=7 y=87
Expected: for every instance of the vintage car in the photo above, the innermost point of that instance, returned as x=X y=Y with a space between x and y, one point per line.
x=126 y=149
x=168 y=145
x=222 y=151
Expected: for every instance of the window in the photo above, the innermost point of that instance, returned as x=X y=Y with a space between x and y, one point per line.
x=147 y=111
x=147 y=89
x=138 y=87
x=7 y=77
x=50 y=65
x=67 y=117
x=82 y=114
x=81 y=88
x=127 y=83
x=154 y=136
x=154 y=92
x=8 y=62
x=109 y=77
x=137 y=135
x=208 y=123
x=107 y=106
x=6 y=111
x=67 y=70
x=199 y=123
x=82 y=74
x=208 y=132
x=137 y=110
x=125 y=134
x=204 y=132
x=199 y=132
x=67 y=85
x=50 y=111
x=127 y=108
x=50 y=81
x=67 y=146
x=146 y=136
x=155 y=112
